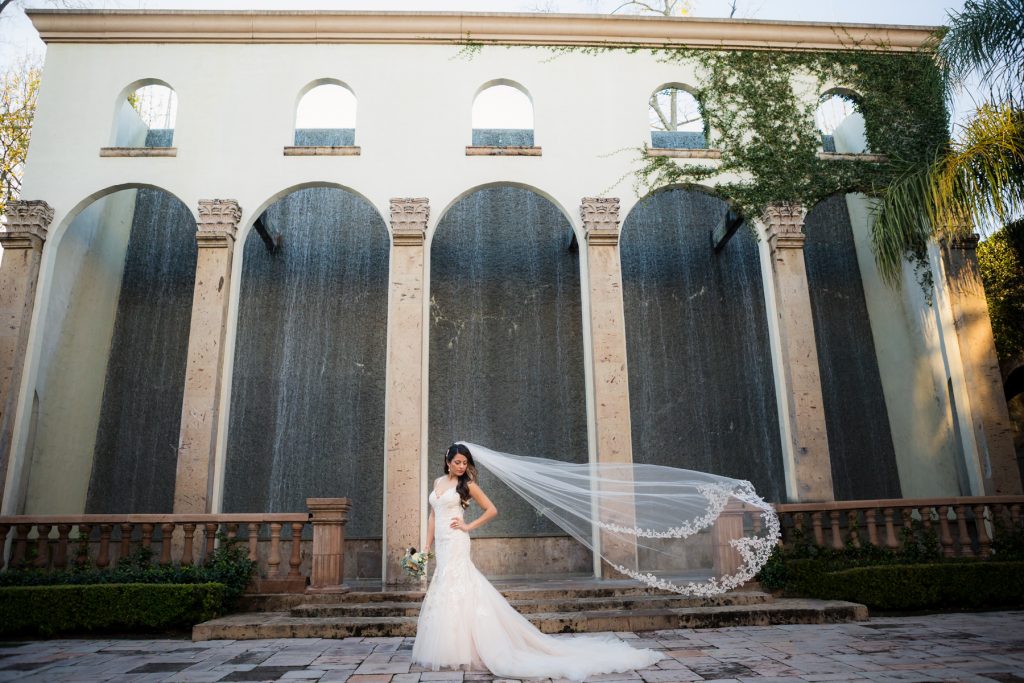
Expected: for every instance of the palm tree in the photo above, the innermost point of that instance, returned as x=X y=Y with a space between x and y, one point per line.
x=976 y=179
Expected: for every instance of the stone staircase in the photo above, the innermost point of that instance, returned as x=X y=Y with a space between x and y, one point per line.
x=554 y=607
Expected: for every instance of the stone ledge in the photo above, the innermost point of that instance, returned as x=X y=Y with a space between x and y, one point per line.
x=475 y=151
x=846 y=156
x=685 y=153
x=138 y=151
x=321 y=151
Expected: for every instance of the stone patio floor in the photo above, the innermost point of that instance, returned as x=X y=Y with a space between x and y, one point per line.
x=943 y=647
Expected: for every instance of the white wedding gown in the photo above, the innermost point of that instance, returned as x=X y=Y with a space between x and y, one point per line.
x=466 y=623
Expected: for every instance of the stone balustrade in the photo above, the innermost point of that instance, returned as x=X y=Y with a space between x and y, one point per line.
x=274 y=540
x=961 y=527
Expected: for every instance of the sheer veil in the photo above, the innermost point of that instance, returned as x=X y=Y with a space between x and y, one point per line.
x=689 y=532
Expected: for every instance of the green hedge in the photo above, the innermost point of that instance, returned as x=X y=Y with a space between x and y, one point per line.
x=49 y=610
x=961 y=585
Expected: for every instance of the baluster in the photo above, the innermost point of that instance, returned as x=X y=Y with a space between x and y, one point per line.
x=21 y=532
x=984 y=541
x=275 y=549
x=296 y=558
x=945 y=537
x=4 y=530
x=755 y=521
x=60 y=553
x=819 y=537
x=964 y=538
x=837 y=535
x=103 y=559
x=869 y=521
x=926 y=518
x=42 y=560
x=853 y=527
x=126 y=539
x=232 y=531
x=147 y=535
x=186 y=552
x=890 y=530
x=254 y=529
x=166 y=534
x=211 y=538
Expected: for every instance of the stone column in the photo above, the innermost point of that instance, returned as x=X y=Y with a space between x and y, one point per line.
x=600 y=218
x=812 y=467
x=989 y=414
x=197 y=441
x=405 y=491
x=22 y=241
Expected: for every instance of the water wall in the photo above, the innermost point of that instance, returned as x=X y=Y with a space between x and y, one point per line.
x=701 y=388
x=136 y=442
x=859 y=438
x=506 y=341
x=307 y=395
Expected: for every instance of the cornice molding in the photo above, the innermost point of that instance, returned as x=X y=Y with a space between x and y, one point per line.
x=169 y=26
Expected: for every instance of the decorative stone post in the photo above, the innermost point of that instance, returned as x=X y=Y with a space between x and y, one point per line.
x=600 y=218
x=22 y=241
x=812 y=467
x=405 y=488
x=989 y=414
x=327 y=572
x=215 y=234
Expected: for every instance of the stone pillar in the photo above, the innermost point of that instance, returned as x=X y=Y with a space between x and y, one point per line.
x=812 y=467
x=405 y=490
x=600 y=218
x=197 y=441
x=327 y=569
x=22 y=241
x=989 y=414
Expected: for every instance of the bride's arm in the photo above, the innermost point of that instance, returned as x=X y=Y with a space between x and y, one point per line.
x=490 y=512
x=430 y=531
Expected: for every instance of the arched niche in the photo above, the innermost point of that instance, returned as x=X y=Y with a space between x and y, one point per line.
x=676 y=118
x=503 y=115
x=840 y=122
x=506 y=340
x=701 y=384
x=144 y=115
x=325 y=114
x=111 y=372
x=308 y=380
x=857 y=421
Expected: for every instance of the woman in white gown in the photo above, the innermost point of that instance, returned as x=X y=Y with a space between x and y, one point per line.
x=466 y=623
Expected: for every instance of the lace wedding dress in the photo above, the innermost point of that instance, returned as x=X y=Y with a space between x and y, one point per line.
x=466 y=623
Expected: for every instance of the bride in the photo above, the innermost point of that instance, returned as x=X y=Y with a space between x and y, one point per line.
x=466 y=623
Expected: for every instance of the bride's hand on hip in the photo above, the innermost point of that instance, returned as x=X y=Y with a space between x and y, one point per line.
x=459 y=524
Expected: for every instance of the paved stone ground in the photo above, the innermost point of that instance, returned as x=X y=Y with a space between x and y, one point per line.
x=945 y=647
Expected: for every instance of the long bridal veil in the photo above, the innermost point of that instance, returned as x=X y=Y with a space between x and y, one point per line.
x=689 y=532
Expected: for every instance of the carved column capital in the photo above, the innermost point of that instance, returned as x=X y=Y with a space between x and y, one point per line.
x=965 y=242
x=27 y=223
x=784 y=222
x=409 y=217
x=600 y=217
x=218 y=222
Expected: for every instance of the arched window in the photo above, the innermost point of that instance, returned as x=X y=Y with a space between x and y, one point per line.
x=145 y=115
x=326 y=115
x=676 y=119
x=502 y=116
x=840 y=123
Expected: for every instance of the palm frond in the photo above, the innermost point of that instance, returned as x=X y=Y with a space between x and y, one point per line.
x=902 y=220
x=986 y=36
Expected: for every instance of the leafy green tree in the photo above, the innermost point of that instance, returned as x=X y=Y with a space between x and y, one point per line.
x=19 y=86
x=1001 y=262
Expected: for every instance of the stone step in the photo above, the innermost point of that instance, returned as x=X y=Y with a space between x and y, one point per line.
x=249 y=626
x=562 y=603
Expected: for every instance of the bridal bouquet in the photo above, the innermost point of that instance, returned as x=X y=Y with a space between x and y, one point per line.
x=415 y=564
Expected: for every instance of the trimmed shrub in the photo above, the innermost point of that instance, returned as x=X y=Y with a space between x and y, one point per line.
x=49 y=610
x=955 y=585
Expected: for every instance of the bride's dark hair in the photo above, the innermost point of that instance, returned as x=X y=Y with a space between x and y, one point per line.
x=469 y=475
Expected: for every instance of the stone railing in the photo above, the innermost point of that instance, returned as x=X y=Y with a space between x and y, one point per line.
x=962 y=527
x=274 y=542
